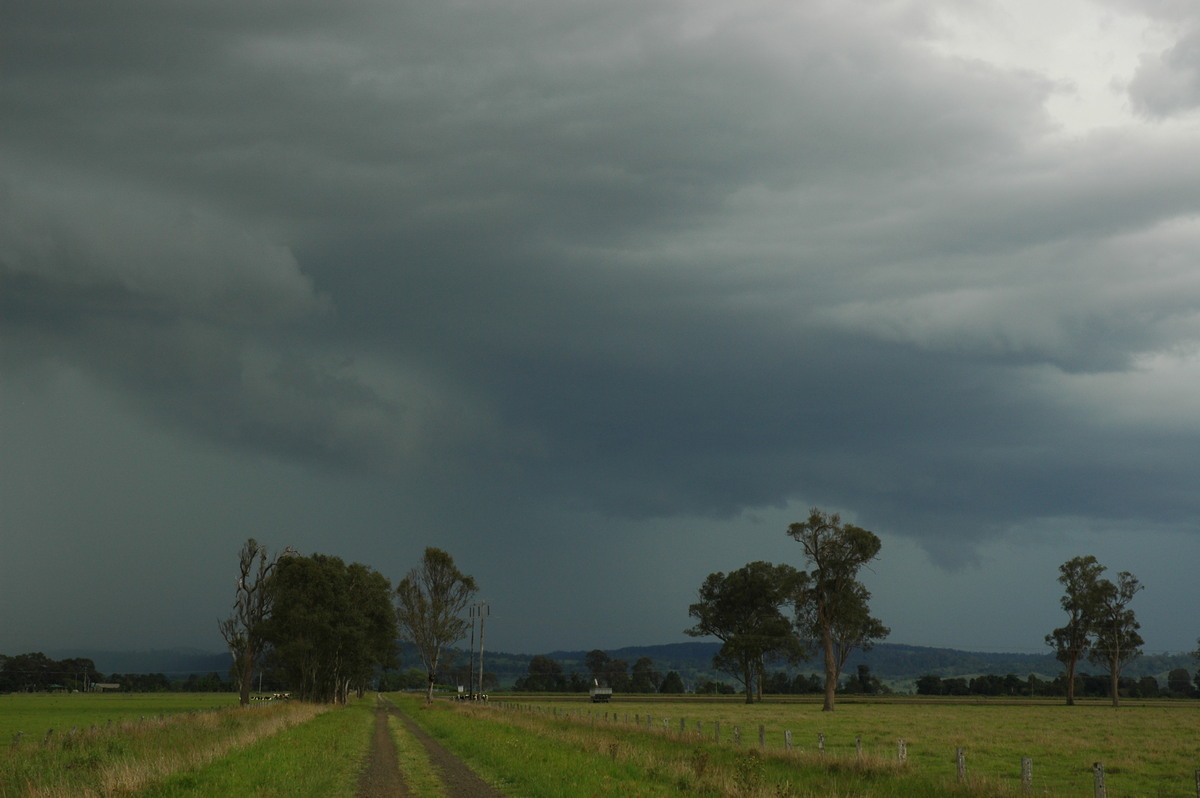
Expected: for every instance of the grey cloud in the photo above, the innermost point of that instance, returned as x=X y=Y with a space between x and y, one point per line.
x=498 y=273
x=161 y=253
x=1168 y=83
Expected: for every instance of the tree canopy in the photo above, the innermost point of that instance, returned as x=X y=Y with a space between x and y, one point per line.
x=1116 y=639
x=1099 y=625
x=744 y=609
x=1079 y=577
x=833 y=608
x=429 y=606
x=331 y=626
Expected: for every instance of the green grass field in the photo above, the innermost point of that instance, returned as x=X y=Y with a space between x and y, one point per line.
x=1152 y=749
x=203 y=745
x=34 y=714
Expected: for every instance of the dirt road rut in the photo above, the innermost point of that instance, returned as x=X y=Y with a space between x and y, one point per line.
x=382 y=779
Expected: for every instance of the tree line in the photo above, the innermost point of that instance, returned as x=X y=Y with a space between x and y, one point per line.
x=324 y=629
x=35 y=672
x=547 y=676
x=1179 y=684
x=766 y=614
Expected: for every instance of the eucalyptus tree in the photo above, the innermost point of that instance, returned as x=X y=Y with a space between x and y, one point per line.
x=332 y=626
x=1080 y=578
x=429 y=607
x=744 y=609
x=243 y=629
x=834 y=606
x=1115 y=631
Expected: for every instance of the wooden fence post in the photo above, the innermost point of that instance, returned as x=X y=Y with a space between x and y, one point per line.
x=902 y=752
x=960 y=760
x=787 y=739
x=821 y=743
x=717 y=733
x=1026 y=774
x=762 y=736
x=1098 y=778
x=682 y=727
x=737 y=735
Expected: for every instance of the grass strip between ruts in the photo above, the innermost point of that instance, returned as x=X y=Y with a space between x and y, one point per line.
x=420 y=777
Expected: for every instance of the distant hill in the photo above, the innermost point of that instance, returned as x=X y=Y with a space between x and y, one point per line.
x=172 y=662
x=895 y=663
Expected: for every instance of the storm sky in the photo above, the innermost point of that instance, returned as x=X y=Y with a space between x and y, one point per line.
x=598 y=297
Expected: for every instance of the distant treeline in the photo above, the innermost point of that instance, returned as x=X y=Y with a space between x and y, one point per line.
x=35 y=672
x=1179 y=684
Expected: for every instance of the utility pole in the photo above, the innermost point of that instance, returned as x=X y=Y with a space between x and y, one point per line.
x=481 y=610
x=471 y=677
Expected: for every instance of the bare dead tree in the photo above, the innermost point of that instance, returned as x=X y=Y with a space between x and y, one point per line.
x=242 y=630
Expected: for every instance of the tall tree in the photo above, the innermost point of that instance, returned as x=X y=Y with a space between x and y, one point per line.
x=598 y=664
x=834 y=606
x=1116 y=640
x=331 y=626
x=672 y=683
x=429 y=606
x=744 y=610
x=545 y=675
x=242 y=630
x=1080 y=577
x=643 y=677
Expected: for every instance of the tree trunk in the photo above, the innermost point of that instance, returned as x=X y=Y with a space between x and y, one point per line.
x=748 y=672
x=1071 y=681
x=1114 y=682
x=831 y=670
x=245 y=677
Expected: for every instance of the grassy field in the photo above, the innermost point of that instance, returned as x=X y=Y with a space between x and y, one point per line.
x=171 y=746
x=1147 y=750
x=33 y=714
x=140 y=751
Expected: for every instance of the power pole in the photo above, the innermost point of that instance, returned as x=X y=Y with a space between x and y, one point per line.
x=483 y=611
x=471 y=677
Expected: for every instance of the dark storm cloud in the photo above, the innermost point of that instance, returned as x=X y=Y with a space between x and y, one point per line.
x=612 y=261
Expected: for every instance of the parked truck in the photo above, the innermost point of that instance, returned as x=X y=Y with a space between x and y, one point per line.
x=600 y=695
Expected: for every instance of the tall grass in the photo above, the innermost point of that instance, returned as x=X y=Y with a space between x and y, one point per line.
x=320 y=758
x=125 y=757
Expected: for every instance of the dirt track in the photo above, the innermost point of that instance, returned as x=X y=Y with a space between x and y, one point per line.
x=382 y=779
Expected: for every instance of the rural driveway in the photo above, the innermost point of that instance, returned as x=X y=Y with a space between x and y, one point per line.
x=382 y=779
